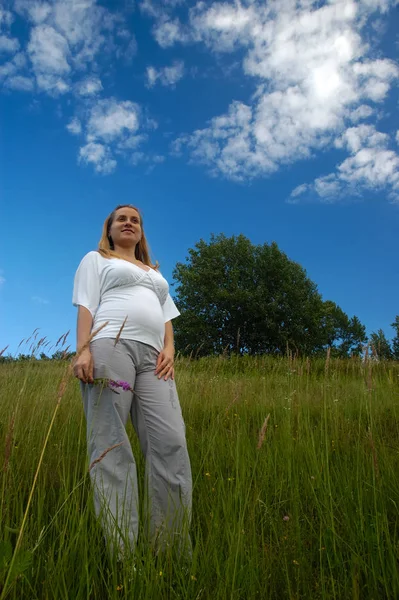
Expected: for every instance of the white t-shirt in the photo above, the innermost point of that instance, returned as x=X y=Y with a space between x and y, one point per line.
x=113 y=289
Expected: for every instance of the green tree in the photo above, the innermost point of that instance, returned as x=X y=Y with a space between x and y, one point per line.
x=381 y=344
x=353 y=337
x=62 y=355
x=238 y=297
x=344 y=336
x=395 y=341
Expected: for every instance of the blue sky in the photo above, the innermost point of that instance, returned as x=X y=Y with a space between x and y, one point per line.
x=277 y=120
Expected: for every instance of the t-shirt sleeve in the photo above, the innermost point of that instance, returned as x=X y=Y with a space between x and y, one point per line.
x=86 y=289
x=169 y=309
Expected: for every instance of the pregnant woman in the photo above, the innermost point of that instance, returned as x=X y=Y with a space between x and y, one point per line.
x=127 y=369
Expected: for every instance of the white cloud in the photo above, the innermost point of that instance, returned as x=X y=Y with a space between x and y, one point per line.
x=130 y=51
x=110 y=120
x=8 y=44
x=35 y=11
x=74 y=126
x=228 y=145
x=48 y=50
x=67 y=47
x=152 y=76
x=355 y=138
x=99 y=156
x=371 y=166
x=362 y=112
x=223 y=26
x=167 y=76
x=397 y=137
x=111 y=129
x=131 y=142
x=6 y=18
x=91 y=31
x=169 y=31
x=9 y=74
x=49 y=53
x=89 y=86
x=68 y=37
x=52 y=84
x=314 y=73
x=20 y=83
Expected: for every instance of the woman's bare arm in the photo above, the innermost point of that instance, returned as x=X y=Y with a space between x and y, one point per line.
x=166 y=357
x=84 y=325
x=169 y=337
x=83 y=368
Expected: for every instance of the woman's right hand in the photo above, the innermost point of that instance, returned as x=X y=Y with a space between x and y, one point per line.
x=84 y=366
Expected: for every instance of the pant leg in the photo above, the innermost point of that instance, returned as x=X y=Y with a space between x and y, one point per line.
x=114 y=477
x=157 y=418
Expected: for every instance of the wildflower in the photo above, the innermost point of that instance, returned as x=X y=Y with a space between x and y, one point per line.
x=207 y=474
x=113 y=385
x=119 y=588
x=125 y=385
x=160 y=573
x=193 y=578
x=295 y=562
x=286 y=518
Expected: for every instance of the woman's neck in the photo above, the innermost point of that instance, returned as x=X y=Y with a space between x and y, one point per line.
x=127 y=253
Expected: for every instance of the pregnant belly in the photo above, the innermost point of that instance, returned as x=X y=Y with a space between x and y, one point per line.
x=143 y=313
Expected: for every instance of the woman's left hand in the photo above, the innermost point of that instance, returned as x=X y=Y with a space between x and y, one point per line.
x=165 y=362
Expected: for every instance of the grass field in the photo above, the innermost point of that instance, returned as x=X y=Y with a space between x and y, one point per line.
x=312 y=513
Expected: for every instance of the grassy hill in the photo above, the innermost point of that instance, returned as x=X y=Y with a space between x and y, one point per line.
x=306 y=508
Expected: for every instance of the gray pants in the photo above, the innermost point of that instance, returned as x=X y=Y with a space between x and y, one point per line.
x=156 y=416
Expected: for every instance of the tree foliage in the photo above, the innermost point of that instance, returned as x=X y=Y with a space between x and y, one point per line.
x=395 y=341
x=380 y=344
x=235 y=296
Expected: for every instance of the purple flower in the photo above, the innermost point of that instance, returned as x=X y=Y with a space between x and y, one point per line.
x=125 y=385
x=113 y=385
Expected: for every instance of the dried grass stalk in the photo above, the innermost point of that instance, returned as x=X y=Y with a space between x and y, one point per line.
x=59 y=339
x=236 y=397
x=262 y=433
x=327 y=360
x=99 y=459
x=120 y=331
x=9 y=440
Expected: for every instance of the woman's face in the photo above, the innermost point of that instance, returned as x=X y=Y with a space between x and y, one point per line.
x=125 y=230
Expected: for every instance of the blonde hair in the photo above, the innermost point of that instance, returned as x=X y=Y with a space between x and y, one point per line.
x=106 y=245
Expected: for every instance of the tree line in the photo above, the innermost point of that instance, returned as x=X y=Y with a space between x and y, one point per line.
x=244 y=298
x=236 y=297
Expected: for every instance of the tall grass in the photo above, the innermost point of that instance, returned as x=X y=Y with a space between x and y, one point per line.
x=305 y=508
